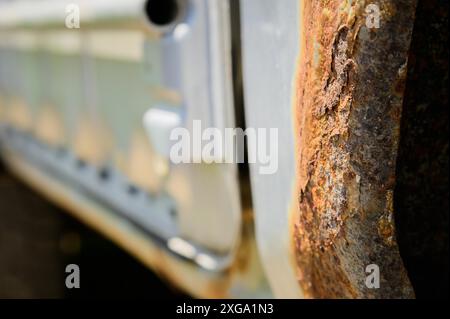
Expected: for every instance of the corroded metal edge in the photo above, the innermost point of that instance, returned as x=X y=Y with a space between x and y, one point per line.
x=348 y=102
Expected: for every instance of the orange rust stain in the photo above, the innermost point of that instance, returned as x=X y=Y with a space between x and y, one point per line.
x=329 y=185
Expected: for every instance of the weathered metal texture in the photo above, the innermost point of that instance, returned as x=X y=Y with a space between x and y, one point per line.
x=350 y=86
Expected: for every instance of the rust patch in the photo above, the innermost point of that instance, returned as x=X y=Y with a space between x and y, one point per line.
x=348 y=107
x=386 y=227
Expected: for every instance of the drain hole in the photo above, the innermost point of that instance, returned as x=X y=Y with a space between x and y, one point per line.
x=161 y=12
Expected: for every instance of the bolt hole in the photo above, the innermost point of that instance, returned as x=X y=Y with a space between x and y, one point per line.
x=161 y=12
x=132 y=190
x=104 y=174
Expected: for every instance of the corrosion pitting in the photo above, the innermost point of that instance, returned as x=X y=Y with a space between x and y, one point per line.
x=348 y=109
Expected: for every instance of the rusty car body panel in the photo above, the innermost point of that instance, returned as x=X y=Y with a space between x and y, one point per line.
x=85 y=117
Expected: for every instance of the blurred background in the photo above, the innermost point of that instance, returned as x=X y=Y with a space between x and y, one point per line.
x=38 y=240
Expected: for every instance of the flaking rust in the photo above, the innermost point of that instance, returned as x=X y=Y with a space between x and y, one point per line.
x=348 y=99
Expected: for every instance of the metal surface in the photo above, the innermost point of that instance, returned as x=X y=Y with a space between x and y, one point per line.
x=85 y=109
x=153 y=215
x=86 y=114
x=270 y=48
x=351 y=80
